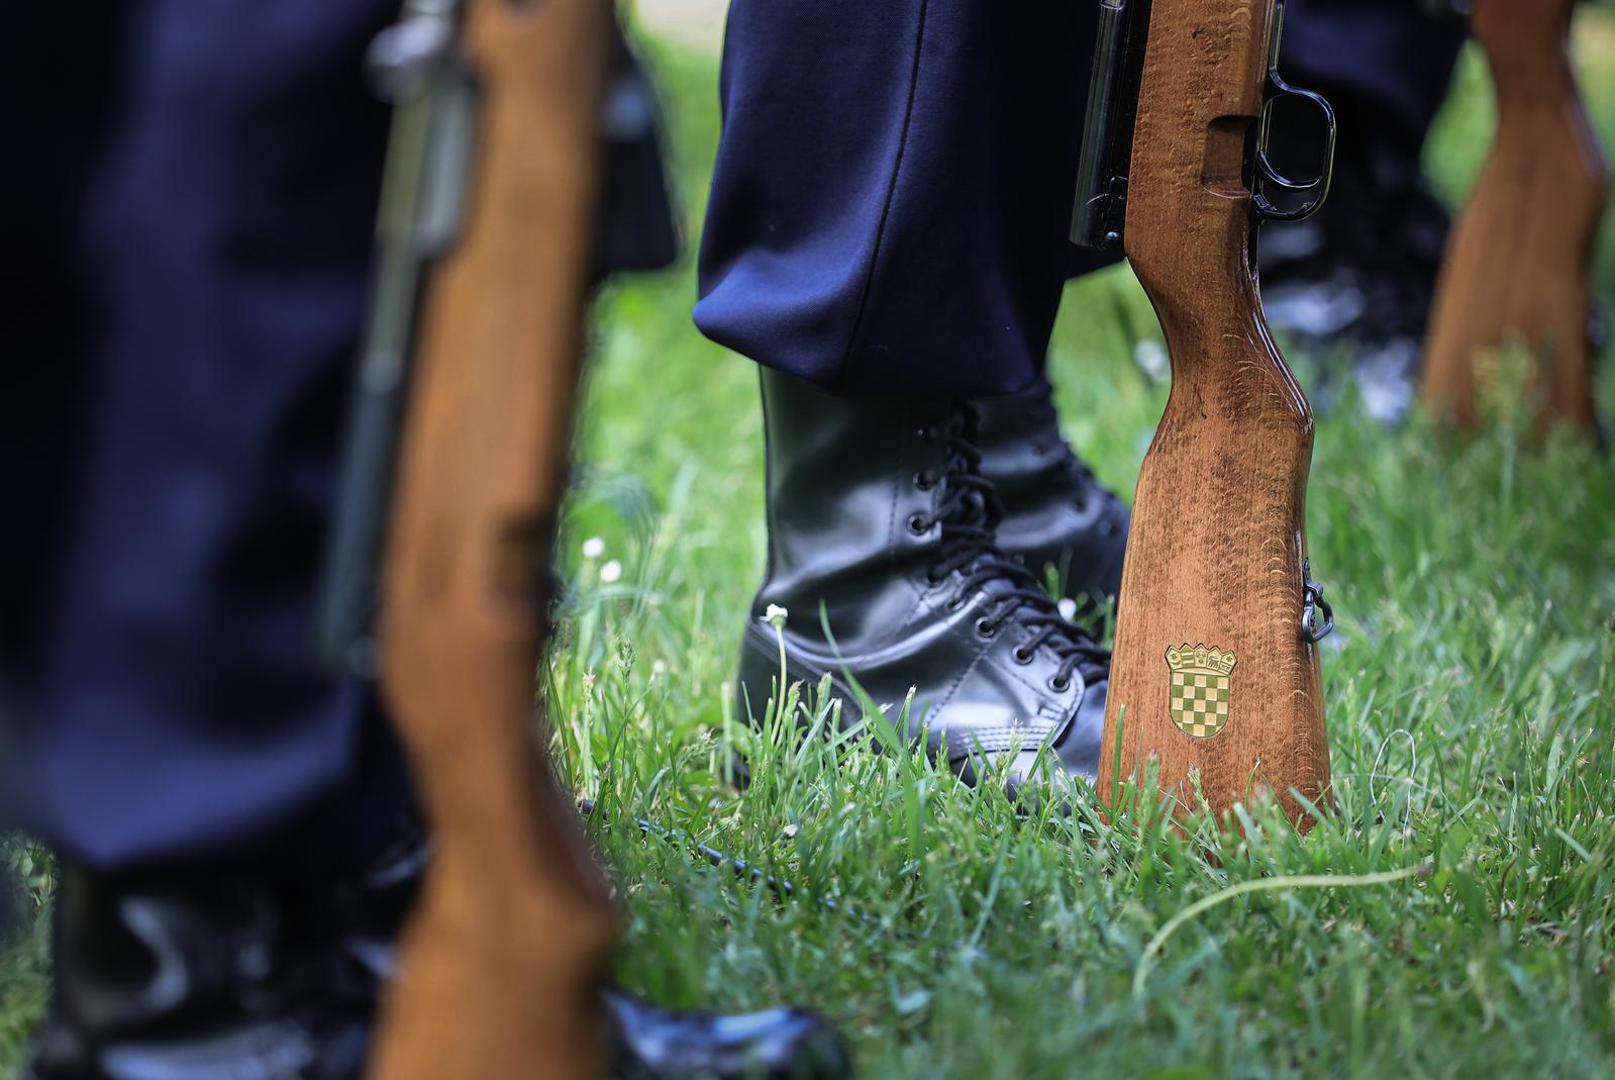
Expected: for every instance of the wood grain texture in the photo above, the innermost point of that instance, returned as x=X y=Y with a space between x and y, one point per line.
x=502 y=961
x=1517 y=267
x=1218 y=536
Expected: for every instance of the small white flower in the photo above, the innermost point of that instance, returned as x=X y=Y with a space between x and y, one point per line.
x=594 y=547
x=775 y=616
x=611 y=572
x=1068 y=608
x=791 y=830
x=658 y=668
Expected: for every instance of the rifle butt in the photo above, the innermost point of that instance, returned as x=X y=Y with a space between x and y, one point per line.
x=1215 y=687
x=1215 y=690
x=1517 y=270
x=502 y=962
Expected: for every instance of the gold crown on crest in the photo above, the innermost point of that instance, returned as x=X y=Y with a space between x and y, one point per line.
x=1199 y=660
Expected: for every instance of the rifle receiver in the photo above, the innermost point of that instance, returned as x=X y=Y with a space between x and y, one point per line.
x=1107 y=134
x=1099 y=215
x=415 y=65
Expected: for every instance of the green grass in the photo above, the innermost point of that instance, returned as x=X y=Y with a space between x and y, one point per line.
x=1471 y=703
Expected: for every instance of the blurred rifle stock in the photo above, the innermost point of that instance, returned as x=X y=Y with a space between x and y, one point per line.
x=497 y=216
x=1517 y=269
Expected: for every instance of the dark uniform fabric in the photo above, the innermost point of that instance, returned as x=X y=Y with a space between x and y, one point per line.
x=894 y=183
x=191 y=192
x=893 y=189
x=1394 y=54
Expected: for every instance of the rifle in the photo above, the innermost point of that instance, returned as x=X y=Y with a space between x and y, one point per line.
x=1517 y=265
x=501 y=963
x=1215 y=672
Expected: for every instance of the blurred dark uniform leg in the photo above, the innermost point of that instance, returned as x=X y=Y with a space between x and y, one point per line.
x=195 y=329
x=1355 y=282
x=887 y=236
x=195 y=188
x=193 y=228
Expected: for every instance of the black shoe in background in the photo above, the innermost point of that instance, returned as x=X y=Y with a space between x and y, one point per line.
x=649 y=1043
x=1351 y=286
x=183 y=975
x=197 y=974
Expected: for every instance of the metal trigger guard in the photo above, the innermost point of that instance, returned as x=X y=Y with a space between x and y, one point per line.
x=1265 y=172
x=1312 y=605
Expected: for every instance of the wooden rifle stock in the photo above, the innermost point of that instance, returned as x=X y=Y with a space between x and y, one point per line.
x=1215 y=673
x=1517 y=267
x=501 y=963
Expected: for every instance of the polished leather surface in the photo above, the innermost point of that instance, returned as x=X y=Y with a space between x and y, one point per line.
x=1057 y=516
x=788 y=1044
x=198 y=977
x=878 y=516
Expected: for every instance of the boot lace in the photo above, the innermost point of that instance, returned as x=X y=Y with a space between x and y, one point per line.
x=969 y=511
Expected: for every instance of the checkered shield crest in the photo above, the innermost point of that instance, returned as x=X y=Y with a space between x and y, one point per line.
x=1201 y=688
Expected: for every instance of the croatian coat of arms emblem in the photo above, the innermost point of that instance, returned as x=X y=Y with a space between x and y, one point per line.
x=1200 y=688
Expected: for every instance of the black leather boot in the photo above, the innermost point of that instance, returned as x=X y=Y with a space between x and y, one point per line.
x=878 y=514
x=199 y=975
x=777 y=1044
x=1057 y=517
x=192 y=975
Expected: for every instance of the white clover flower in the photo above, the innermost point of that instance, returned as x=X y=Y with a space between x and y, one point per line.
x=775 y=616
x=658 y=668
x=594 y=547
x=1068 y=608
x=611 y=572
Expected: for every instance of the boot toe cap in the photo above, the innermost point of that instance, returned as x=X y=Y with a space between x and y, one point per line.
x=661 y=1044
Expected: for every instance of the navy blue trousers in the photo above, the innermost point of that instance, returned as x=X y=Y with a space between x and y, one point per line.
x=893 y=189
x=1387 y=54
x=894 y=182
x=190 y=196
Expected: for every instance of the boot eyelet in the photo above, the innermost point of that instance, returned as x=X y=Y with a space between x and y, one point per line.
x=986 y=627
x=924 y=482
x=1022 y=655
x=918 y=525
x=1060 y=683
